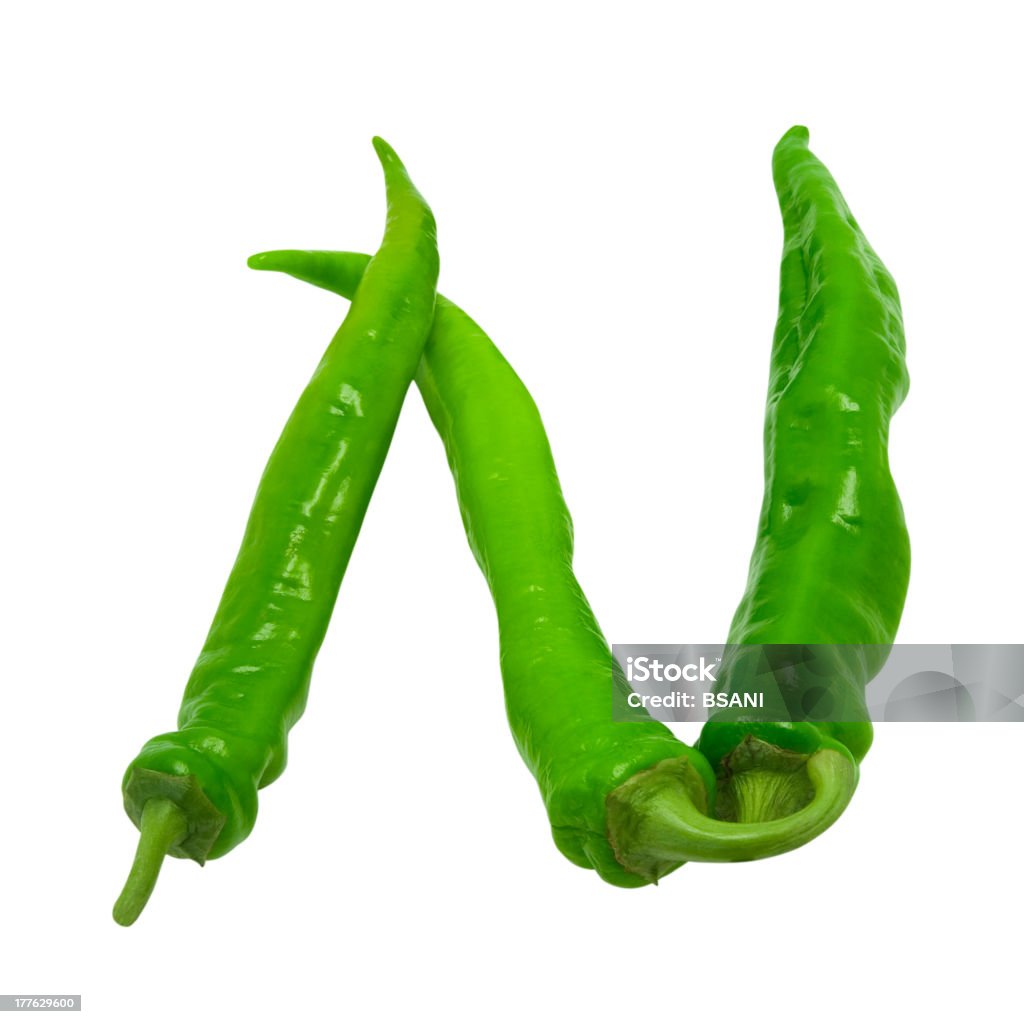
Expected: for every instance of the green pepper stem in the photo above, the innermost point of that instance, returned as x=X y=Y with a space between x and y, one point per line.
x=654 y=822
x=163 y=826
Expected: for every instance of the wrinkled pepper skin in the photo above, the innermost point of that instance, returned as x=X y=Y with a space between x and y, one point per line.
x=556 y=666
x=250 y=682
x=831 y=563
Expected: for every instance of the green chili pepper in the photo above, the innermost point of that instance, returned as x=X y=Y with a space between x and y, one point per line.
x=555 y=663
x=832 y=559
x=193 y=792
x=559 y=674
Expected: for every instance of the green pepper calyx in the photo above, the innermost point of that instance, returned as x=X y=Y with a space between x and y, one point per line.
x=175 y=818
x=205 y=821
x=659 y=818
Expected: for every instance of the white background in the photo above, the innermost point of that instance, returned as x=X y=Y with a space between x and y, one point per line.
x=601 y=179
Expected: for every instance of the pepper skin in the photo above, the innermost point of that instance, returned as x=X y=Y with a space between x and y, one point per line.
x=556 y=666
x=193 y=792
x=831 y=563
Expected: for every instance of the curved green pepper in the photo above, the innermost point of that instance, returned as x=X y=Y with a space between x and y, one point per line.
x=832 y=560
x=193 y=792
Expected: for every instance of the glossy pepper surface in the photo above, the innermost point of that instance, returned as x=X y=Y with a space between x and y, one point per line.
x=831 y=564
x=193 y=792
x=557 y=669
x=556 y=666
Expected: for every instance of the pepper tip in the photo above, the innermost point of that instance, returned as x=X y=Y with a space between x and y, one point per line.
x=798 y=133
x=383 y=150
x=275 y=259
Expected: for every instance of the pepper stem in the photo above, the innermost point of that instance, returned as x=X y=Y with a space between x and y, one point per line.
x=162 y=827
x=657 y=819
